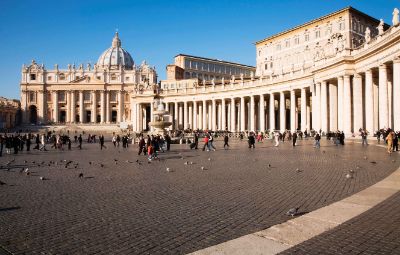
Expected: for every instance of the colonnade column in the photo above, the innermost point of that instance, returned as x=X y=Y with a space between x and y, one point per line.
x=219 y=125
x=396 y=94
x=223 y=106
x=252 y=114
x=94 y=107
x=233 y=115
x=210 y=117
x=357 y=103
x=73 y=106
x=200 y=119
x=180 y=117
x=55 y=106
x=332 y=107
x=272 y=112
x=242 y=115
x=262 y=113
x=103 y=106
x=190 y=116
x=68 y=106
x=195 y=126
x=383 y=100
x=81 y=107
x=369 y=102
x=176 y=121
x=317 y=107
x=214 y=115
x=120 y=105
x=282 y=111
x=204 y=115
x=346 y=105
x=303 y=118
x=324 y=107
x=293 y=104
x=107 y=108
x=340 y=103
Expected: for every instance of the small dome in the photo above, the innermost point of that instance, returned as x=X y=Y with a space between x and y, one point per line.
x=115 y=56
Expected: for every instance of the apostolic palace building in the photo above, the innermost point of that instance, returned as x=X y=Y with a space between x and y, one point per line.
x=338 y=72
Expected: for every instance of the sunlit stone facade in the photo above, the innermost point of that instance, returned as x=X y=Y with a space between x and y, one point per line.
x=9 y=113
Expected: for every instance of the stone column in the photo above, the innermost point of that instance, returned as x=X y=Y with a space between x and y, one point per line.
x=41 y=106
x=68 y=107
x=324 y=107
x=120 y=106
x=383 y=97
x=151 y=115
x=223 y=117
x=190 y=116
x=210 y=117
x=317 y=106
x=293 y=104
x=108 y=111
x=272 y=112
x=176 y=116
x=214 y=115
x=357 y=103
x=200 y=119
x=180 y=117
x=103 y=107
x=369 y=102
x=204 y=113
x=219 y=116
x=333 y=108
x=133 y=115
x=308 y=109
x=252 y=114
x=73 y=106
x=242 y=115
x=81 y=107
x=185 y=115
x=340 y=102
x=346 y=105
x=303 y=110
x=396 y=94
x=233 y=115
x=94 y=107
x=55 y=106
x=195 y=117
x=262 y=113
x=282 y=112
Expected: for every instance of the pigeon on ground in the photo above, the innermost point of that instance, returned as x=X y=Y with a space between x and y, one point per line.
x=81 y=175
x=90 y=162
x=190 y=163
x=168 y=169
x=26 y=170
x=292 y=212
x=358 y=167
x=9 y=162
x=351 y=171
x=2 y=183
x=365 y=157
x=349 y=176
x=209 y=159
x=25 y=161
x=42 y=178
x=269 y=165
x=393 y=160
x=101 y=165
x=186 y=163
x=373 y=162
x=298 y=170
x=202 y=168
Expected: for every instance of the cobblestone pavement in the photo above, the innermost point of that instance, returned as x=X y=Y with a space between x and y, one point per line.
x=377 y=231
x=127 y=208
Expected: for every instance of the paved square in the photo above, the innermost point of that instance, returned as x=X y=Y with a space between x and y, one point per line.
x=127 y=208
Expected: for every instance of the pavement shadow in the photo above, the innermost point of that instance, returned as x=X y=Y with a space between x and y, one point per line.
x=9 y=209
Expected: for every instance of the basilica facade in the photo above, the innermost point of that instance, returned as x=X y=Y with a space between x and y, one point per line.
x=337 y=72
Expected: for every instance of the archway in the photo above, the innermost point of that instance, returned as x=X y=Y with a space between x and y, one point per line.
x=33 y=114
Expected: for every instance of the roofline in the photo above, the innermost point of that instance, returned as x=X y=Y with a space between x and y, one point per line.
x=215 y=60
x=349 y=8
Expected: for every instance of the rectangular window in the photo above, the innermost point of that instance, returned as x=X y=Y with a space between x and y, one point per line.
x=187 y=64
x=49 y=78
x=296 y=40
x=61 y=76
x=32 y=76
x=317 y=33
x=113 y=96
x=266 y=67
x=32 y=96
x=287 y=43
x=61 y=96
x=126 y=78
x=86 y=95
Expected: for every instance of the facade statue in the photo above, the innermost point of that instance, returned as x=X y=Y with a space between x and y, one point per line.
x=395 y=19
x=88 y=67
x=367 y=35
x=380 y=27
x=252 y=75
x=69 y=66
x=81 y=67
x=223 y=81
x=56 y=66
x=233 y=79
x=241 y=76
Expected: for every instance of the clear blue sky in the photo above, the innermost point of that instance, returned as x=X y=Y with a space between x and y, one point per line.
x=79 y=31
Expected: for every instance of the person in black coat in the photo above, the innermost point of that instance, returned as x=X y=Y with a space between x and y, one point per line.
x=251 y=141
x=294 y=138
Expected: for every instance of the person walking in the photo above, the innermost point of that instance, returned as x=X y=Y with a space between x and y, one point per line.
x=364 y=137
x=276 y=135
x=294 y=139
x=28 y=142
x=196 y=141
x=317 y=140
x=252 y=141
x=43 y=143
x=210 y=143
x=142 y=146
x=101 y=139
x=206 y=140
x=80 y=142
x=389 y=140
x=395 y=142
x=226 y=140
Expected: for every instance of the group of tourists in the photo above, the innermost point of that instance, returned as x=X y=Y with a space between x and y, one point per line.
x=153 y=144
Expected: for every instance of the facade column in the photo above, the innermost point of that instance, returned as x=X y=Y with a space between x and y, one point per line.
x=180 y=116
x=346 y=105
x=219 y=116
x=271 y=112
x=41 y=106
x=303 y=110
x=233 y=115
x=151 y=115
x=340 y=102
x=133 y=115
x=282 y=111
x=120 y=106
x=190 y=116
x=252 y=114
x=68 y=107
x=214 y=115
x=383 y=97
x=357 y=103
x=195 y=117
x=210 y=117
x=396 y=94
x=317 y=107
x=185 y=115
x=176 y=117
x=204 y=115
x=223 y=117
x=103 y=107
x=81 y=107
x=200 y=119
x=94 y=107
x=262 y=113
x=55 y=106
x=73 y=106
x=242 y=115
x=369 y=102
x=333 y=107
x=293 y=104
x=108 y=120
x=324 y=107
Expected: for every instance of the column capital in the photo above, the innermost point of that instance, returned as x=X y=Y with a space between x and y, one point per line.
x=396 y=60
x=357 y=76
x=382 y=66
x=369 y=71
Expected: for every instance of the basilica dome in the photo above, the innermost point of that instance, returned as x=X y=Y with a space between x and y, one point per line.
x=115 y=56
